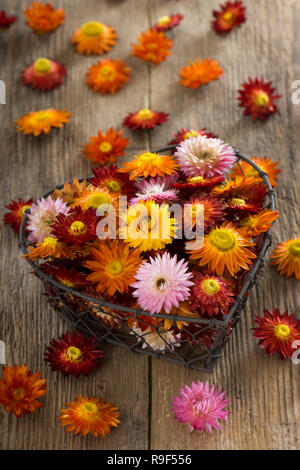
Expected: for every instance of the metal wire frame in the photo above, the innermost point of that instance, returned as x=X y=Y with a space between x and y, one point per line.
x=82 y=314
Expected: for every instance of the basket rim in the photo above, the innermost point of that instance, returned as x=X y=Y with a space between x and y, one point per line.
x=212 y=322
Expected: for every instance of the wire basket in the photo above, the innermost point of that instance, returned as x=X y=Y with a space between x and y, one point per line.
x=196 y=347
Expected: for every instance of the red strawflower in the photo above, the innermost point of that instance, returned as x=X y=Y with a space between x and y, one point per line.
x=184 y=133
x=44 y=74
x=208 y=208
x=198 y=183
x=111 y=179
x=16 y=214
x=277 y=333
x=258 y=99
x=104 y=148
x=77 y=227
x=145 y=119
x=167 y=22
x=6 y=21
x=70 y=277
x=73 y=354
x=230 y=15
x=246 y=203
x=211 y=294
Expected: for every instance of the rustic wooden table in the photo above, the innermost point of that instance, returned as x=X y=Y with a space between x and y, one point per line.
x=264 y=391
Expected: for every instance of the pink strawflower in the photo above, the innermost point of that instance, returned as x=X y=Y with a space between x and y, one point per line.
x=41 y=217
x=200 y=407
x=162 y=282
x=158 y=189
x=204 y=156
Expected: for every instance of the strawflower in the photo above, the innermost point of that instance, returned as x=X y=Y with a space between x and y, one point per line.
x=258 y=98
x=43 y=19
x=108 y=76
x=230 y=15
x=200 y=73
x=152 y=46
x=94 y=38
x=145 y=119
x=105 y=147
x=38 y=122
x=286 y=258
x=44 y=74
x=17 y=210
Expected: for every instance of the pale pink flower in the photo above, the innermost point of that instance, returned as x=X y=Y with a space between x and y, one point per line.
x=200 y=407
x=41 y=217
x=204 y=156
x=158 y=189
x=162 y=282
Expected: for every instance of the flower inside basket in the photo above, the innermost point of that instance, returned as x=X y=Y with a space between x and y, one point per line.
x=157 y=256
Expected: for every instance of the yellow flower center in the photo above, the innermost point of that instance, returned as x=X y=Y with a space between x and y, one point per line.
x=106 y=70
x=115 y=268
x=210 y=286
x=18 y=393
x=261 y=99
x=145 y=114
x=248 y=222
x=97 y=199
x=163 y=20
x=195 y=179
x=92 y=29
x=238 y=202
x=190 y=134
x=90 y=408
x=50 y=241
x=105 y=147
x=252 y=172
x=152 y=46
x=73 y=354
x=42 y=65
x=282 y=332
x=66 y=282
x=222 y=239
x=23 y=209
x=148 y=157
x=294 y=248
x=228 y=16
x=41 y=116
x=114 y=186
x=77 y=228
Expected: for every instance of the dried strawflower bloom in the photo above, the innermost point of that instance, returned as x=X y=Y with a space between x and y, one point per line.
x=200 y=73
x=94 y=38
x=258 y=98
x=44 y=74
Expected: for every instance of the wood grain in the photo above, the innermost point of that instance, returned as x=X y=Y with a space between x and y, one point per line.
x=264 y=391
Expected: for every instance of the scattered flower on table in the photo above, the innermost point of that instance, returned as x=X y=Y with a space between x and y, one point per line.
x=200 y=73
x=158 y=189
x=258 y=98
x=94 y=38
x=167 y=22
x=230 y=15
x=162 y=283
x=152 y=46
x=185 y=133
x=16 y=213
x=73 y=354
x=204 y=156
x=200 y=406
x=6 y=21
x=41 y=122
x=42 y=215
x=105 y=147
x=20 y=390
x=267 y=165
x=145 y=119
x=88 y=414
x=44 y=74
x=211 y=294
x=112 y=180
x=225 y=248
x=255 y=224
x=277 y=332
x=150 y=164
x=43 y=19
x=108 y=76
x=286 y=258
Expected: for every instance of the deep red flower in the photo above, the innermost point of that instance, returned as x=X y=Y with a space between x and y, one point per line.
x=73 y=354
x=6 y=21
x=16 y=214
x=167 y=22
x=230 y=15
x=145 y=119
x=258 y=99
x=70 y=277
x=198 y=183
x=111 y=179
x=208 y=208
x=277 y=333
x=211 y=294
x=44 y=74
x=77 y=227
x=185 y=133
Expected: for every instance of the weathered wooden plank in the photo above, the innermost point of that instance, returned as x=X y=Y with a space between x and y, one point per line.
x=264 y=391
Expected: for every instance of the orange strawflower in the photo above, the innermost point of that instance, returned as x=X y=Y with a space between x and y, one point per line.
x=265 y=164
x=43 y=19
x=153 y=47
x=286 y=257
x=150 y=164
x=255 y=224
x=17 y=210
x=70 y=191
x=89 y=415
x=107 y=76
x=94 y=38
x=95 y=197
x=224 y=247
x=38 y=122
x=50 y=247
x=200 y=73
x=20 y=390
x=105 y=148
